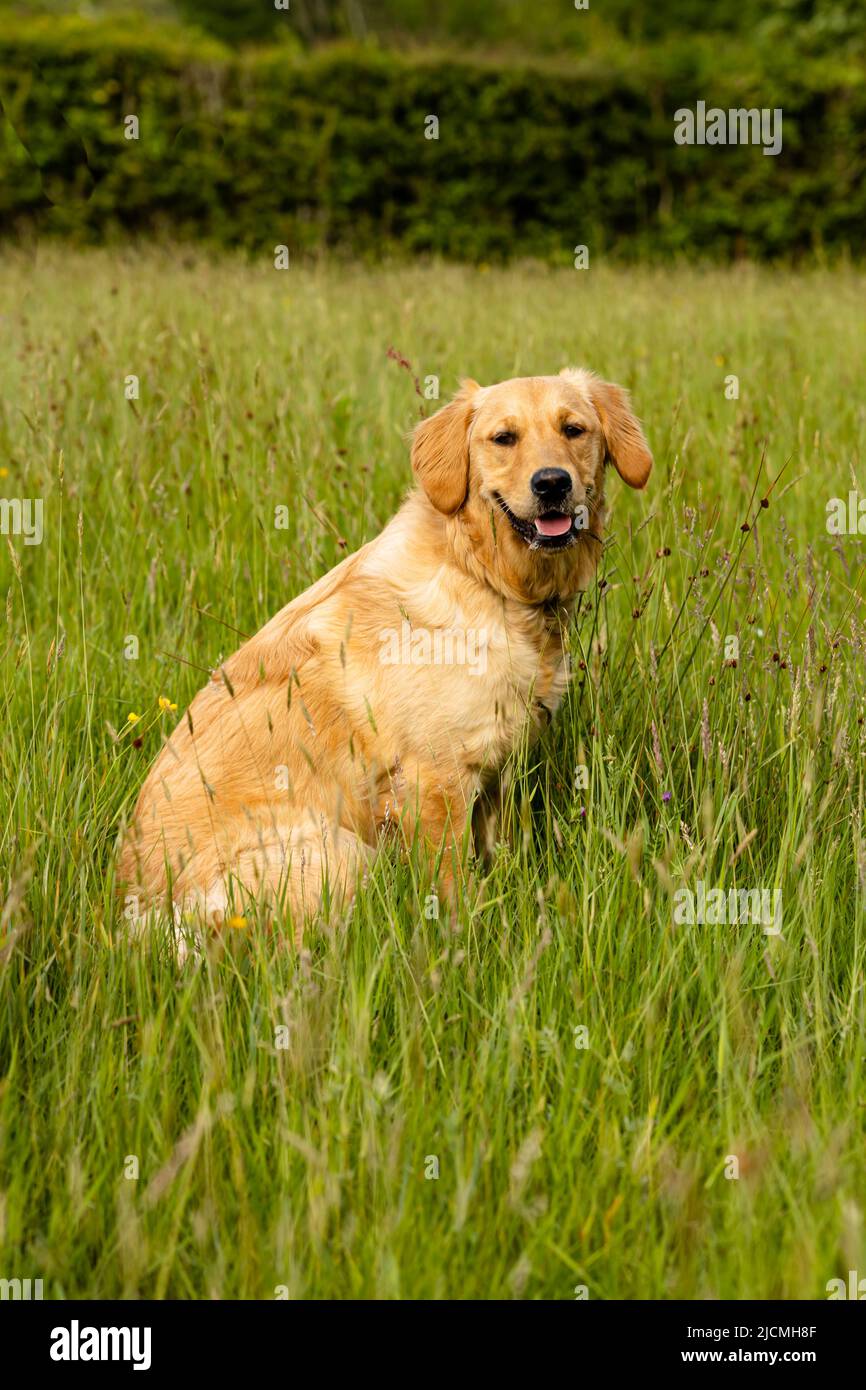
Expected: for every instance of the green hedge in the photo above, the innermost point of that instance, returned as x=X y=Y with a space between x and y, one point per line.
x=276 y=146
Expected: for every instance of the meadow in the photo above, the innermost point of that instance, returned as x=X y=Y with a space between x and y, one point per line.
x=557 y=1089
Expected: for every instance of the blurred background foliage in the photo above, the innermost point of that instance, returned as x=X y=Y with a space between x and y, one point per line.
x=306 y=126
x=540 y=26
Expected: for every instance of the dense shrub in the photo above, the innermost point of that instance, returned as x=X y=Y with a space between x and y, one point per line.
x=328 y=148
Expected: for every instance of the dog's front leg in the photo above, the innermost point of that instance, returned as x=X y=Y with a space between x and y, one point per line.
x=443 y=809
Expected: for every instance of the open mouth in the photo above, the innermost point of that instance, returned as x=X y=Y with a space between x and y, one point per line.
x=551 y=530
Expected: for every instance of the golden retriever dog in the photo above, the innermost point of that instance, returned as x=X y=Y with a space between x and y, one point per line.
x=391 y=693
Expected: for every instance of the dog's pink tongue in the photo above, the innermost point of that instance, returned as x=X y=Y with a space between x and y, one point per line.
x=552 y=525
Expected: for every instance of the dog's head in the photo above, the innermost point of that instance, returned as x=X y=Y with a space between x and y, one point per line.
x=520 y=466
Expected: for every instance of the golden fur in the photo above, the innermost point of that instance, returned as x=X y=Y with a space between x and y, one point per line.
x=306 y=743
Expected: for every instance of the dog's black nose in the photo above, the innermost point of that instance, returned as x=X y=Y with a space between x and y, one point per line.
x=551 y=484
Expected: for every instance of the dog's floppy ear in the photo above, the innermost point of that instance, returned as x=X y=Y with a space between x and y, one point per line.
x=626 y=446
x=440 y=451
x=627 y=449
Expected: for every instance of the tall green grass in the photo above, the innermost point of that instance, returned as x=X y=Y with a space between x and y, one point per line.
x=581 y=1069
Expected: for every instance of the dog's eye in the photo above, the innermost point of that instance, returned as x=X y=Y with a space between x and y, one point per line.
x=573 y=431
x=505 y=437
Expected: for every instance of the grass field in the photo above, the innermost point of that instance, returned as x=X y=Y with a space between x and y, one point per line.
x=583 y=1069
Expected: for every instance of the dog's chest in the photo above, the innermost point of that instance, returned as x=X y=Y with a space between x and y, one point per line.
x=525 y=678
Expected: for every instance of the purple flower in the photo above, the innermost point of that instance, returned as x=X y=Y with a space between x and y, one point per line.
x=666 y=796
